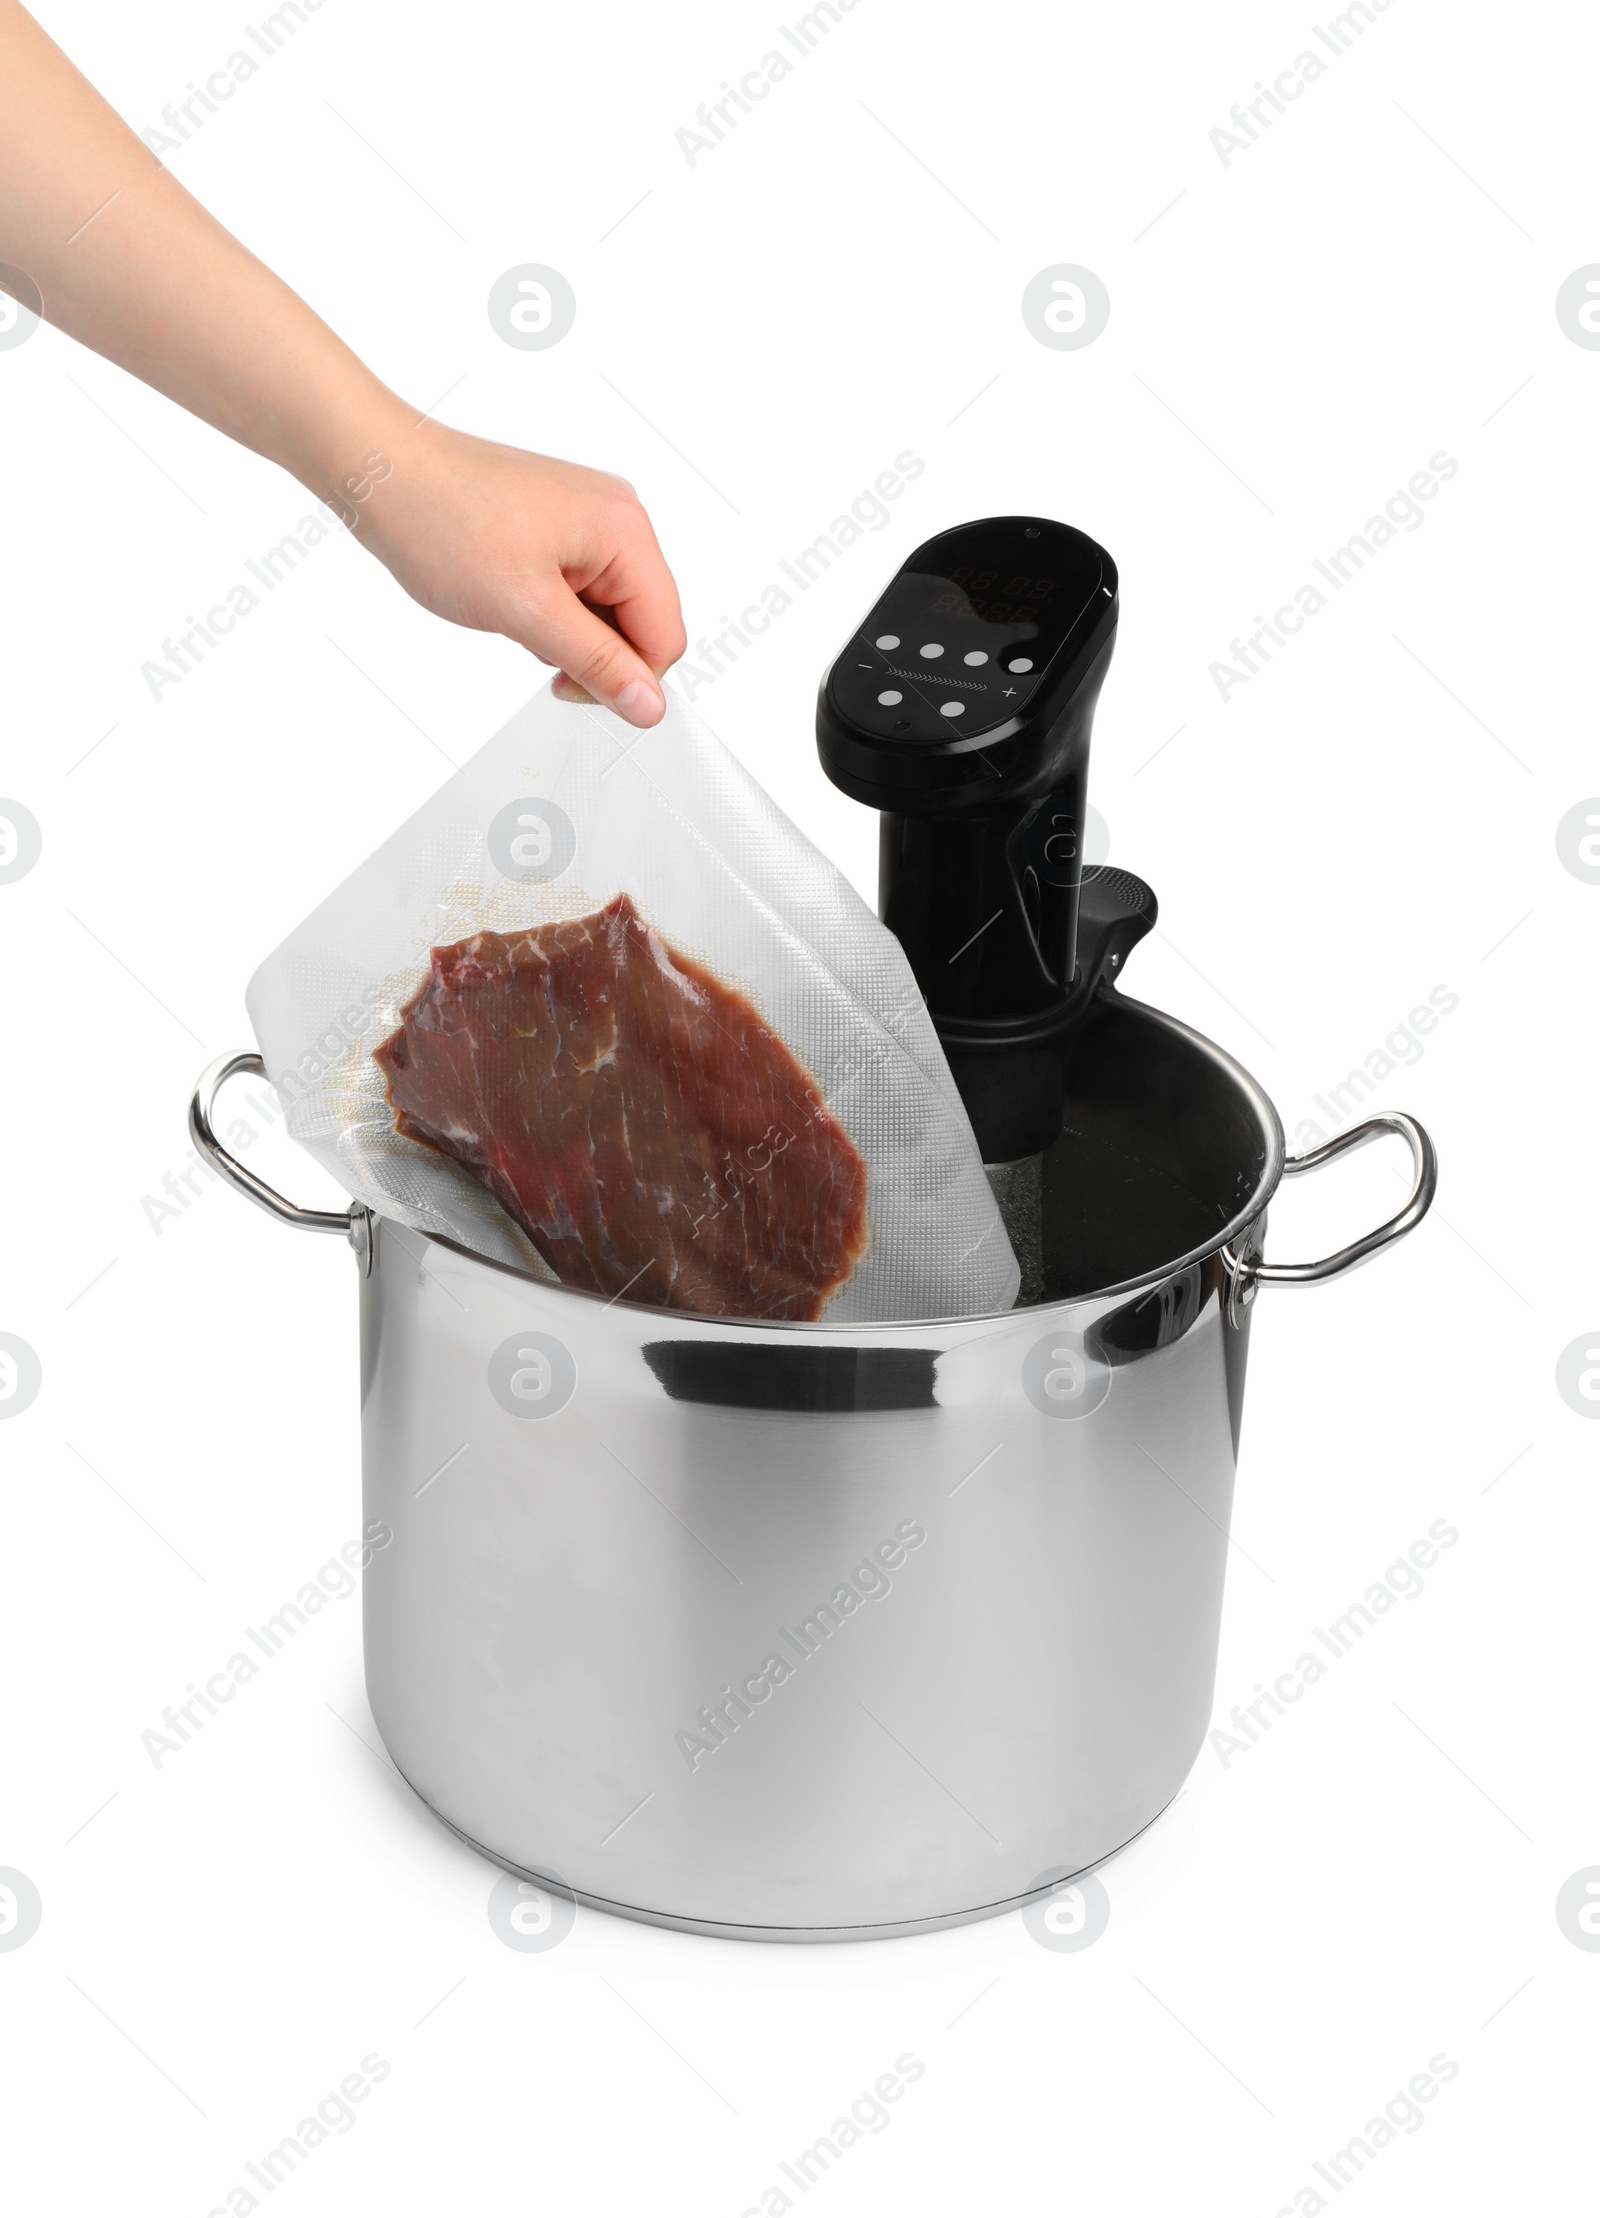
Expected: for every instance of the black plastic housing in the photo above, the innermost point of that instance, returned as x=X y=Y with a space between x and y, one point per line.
x=962 y=710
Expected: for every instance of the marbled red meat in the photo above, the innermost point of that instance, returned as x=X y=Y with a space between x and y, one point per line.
x=651 y=1135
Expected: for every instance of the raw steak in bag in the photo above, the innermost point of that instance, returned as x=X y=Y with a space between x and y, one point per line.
x=601 y=1012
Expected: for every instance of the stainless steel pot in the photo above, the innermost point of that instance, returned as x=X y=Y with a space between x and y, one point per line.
x=804 y=1632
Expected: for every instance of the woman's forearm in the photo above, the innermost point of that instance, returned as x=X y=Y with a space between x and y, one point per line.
x=560 y=558
x=130 y=264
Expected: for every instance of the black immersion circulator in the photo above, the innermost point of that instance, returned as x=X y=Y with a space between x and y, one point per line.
x=961 y=709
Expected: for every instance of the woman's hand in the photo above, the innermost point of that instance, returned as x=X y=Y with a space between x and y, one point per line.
x=559 y=558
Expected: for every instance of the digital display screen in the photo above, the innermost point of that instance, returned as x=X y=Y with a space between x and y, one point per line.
x=963 y=637
x=993 y=596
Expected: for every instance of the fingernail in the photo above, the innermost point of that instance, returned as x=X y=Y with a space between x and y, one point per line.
x=640 y=703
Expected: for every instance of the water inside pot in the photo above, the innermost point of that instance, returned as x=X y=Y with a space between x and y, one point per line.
x=1163 y=1144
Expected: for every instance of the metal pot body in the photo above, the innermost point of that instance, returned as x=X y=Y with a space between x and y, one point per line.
x=808 y=1632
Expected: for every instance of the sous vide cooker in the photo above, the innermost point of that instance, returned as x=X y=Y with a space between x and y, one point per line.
x=812 y=1631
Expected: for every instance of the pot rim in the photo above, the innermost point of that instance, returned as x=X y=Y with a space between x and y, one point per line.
x=1226 y=1236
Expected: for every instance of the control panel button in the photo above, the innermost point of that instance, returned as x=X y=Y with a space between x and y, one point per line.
x=931 y=652
x=888 y=640
x=1019 y=663
x=977 y=657
x=890 y=700
x=952 y=708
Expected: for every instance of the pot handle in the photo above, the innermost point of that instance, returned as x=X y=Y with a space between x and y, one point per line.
x=353 y=1224
x=1248 y=1272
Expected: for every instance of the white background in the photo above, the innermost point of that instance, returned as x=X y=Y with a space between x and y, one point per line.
x=1292 y=335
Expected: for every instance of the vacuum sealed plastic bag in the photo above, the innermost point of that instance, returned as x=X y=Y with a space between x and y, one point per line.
x=601 y=1012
